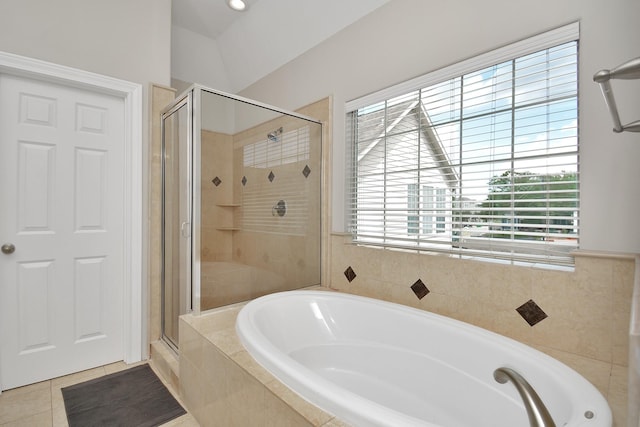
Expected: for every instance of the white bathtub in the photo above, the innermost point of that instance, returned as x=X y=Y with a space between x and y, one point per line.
x=374 y=363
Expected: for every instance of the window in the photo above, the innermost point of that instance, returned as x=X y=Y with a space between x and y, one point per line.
x=413 y=219
x=478 y=160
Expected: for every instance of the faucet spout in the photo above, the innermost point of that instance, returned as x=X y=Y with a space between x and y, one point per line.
x=538 y=414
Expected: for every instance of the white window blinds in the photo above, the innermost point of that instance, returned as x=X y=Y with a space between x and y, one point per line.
x=481 y=164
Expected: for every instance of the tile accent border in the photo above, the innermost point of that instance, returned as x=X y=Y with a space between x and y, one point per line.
x=350 y=274
x=420 y=289
x=531 y=312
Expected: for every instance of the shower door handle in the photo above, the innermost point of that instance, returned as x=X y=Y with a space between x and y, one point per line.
x=185 y=229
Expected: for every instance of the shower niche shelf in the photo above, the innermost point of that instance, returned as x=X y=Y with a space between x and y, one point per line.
x=228 y=205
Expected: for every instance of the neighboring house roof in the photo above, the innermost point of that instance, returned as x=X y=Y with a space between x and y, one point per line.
x=387 y=119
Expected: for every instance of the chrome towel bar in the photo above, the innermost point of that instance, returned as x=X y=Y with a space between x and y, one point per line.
x=628 y=71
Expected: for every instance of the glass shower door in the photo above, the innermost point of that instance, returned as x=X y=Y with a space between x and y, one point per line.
x=176 y=218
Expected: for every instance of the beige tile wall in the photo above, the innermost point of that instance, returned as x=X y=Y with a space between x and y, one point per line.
x=213 y=355
x=218 y=245
x=588 y=309
x=287 y=258
x=290 y=253
x=217 y=161
x=218 y=391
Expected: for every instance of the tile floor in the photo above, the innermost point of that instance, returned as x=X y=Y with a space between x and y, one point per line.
x=42 y=405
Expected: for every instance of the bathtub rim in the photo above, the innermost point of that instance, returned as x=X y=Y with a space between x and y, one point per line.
x=287 y=375
x=287 y=370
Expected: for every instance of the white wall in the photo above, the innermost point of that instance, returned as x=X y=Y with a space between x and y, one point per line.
x=267 y=31
x=256 y=43
x=196 y=59
x=407 y=38
x=126 y=39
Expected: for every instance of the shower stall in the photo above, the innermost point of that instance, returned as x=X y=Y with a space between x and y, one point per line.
x=241 y=189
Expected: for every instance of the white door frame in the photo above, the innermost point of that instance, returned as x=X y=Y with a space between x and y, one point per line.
x=131 y=94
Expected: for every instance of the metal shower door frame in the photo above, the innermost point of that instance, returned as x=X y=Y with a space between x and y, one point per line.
x=186 y=232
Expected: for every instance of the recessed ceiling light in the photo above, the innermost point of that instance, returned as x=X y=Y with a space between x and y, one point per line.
x=238 y=5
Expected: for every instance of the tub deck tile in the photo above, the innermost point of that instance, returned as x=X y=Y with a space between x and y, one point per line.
x=226 y=340
x=246 y=361
x=316 y=416
x=217 y=328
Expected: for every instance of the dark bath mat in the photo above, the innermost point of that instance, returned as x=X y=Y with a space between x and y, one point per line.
x=133 y=397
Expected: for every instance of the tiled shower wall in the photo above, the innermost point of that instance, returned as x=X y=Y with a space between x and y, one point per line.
x=580 y=317
x=238 y=220
x=217 y=195
x=287 y=245
x=219 y=245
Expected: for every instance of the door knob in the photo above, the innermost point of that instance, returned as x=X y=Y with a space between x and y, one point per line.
x=8 y=248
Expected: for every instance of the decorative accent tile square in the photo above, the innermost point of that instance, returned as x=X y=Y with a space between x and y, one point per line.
x=531 y=312
x=420 y=289
x=350 y=274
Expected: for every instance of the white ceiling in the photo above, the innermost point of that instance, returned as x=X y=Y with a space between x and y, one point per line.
x=209 y=18
x=270 y=33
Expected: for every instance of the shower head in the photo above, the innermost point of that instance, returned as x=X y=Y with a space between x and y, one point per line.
x=275 y=135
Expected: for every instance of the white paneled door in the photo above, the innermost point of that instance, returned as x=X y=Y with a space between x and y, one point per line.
x=62 y=227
